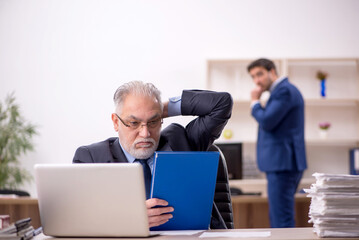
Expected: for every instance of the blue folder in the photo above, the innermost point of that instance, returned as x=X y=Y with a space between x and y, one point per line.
x=187 y=180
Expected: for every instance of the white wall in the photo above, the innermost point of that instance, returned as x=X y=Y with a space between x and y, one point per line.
x=64 y=59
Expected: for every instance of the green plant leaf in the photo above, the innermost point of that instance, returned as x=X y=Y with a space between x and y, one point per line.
x=15 y=139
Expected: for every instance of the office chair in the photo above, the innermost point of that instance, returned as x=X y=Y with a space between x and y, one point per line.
x=222 y=195
x=222 y=213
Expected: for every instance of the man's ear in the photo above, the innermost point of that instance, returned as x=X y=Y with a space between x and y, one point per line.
x=115 y=121
x=274 y=74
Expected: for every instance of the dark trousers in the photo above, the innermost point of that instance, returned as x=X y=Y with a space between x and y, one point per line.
x=282 y=186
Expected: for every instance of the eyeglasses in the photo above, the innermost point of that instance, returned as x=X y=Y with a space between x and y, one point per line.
x=136 y=124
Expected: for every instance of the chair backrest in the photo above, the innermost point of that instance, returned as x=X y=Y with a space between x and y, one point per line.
x=222 y=195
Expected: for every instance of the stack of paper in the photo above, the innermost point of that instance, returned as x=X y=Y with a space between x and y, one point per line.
x=334 y=208
x=20 y=230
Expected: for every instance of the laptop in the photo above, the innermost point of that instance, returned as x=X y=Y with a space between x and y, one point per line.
x=92 y=200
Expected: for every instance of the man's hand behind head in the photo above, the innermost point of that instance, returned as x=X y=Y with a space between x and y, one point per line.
x=165 y=110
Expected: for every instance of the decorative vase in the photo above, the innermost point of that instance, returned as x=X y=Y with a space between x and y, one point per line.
x=322 y=88
x=323 y=133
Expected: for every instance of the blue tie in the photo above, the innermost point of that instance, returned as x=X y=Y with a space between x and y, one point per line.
x=146 y=174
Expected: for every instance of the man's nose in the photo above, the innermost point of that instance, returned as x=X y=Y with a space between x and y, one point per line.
x=144 y=131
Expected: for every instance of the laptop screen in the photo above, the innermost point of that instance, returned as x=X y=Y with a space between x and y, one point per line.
x=98 y=200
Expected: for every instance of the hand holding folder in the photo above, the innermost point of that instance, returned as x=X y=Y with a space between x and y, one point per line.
x=158 y=211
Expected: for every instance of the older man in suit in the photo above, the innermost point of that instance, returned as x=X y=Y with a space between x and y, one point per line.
x=280 y=145
x=137 y=120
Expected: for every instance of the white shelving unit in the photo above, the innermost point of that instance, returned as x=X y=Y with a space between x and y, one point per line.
x=340 y=107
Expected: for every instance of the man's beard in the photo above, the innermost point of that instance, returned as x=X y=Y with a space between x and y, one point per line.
x=143 y=153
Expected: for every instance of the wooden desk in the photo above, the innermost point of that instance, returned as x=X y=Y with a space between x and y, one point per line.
x=252 y=211
x=19 y=208
x=248 y=211
x=276 y=233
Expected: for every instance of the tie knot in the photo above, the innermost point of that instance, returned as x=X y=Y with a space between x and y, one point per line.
x=142 y=161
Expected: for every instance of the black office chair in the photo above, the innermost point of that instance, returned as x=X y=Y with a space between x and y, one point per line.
x=222 y=195
x=222 y=213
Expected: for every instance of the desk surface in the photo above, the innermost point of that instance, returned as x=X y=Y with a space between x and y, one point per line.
x=277 y=233
x=19 y=200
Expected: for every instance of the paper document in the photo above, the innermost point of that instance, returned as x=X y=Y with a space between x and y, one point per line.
x=334 y=208
x=181 y=232
x=235 y=234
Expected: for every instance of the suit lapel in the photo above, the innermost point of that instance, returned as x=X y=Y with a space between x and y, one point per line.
x=274 y=92
x=281 y=84
x=117 y=154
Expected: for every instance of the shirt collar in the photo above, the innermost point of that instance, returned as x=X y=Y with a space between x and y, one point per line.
x=129 y=157
x=275 y=83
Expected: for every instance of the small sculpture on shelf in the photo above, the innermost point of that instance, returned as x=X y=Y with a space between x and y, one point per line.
x=227 y=134
x=322 y=76
x=323 y=129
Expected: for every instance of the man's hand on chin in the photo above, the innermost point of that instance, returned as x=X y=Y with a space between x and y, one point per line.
x=256 y=93
x=158 y=215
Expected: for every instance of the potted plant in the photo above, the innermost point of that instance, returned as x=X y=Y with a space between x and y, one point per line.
x=15 y=139
x=323 y=129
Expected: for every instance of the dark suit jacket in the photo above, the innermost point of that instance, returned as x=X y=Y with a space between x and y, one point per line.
x=280 y=144
x=213 y=110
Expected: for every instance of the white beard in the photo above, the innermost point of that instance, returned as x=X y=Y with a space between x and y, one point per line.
x=143 y=153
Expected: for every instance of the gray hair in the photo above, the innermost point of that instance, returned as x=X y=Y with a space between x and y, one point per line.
x=137 y=88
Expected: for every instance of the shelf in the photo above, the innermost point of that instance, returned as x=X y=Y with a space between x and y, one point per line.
x=314 y=102
x=311 y=142
x=221 y=141
x=323 y=62
x=260 y=185
x=332 y=102
x=333 y=142
x=241 y=102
